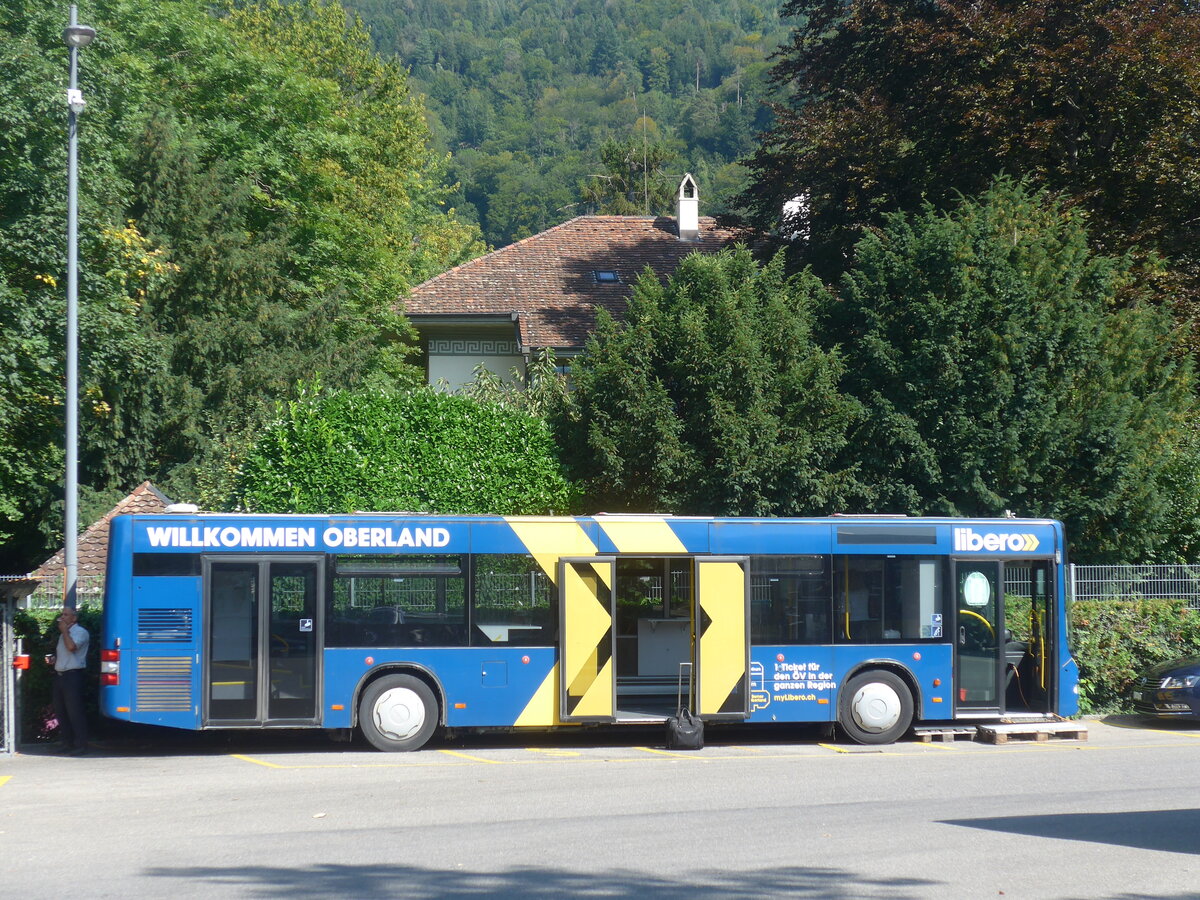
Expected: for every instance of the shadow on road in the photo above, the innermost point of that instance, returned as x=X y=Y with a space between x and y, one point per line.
x=131 y=740
x=1173 y=830
x=415 y=883
x=1144 y=723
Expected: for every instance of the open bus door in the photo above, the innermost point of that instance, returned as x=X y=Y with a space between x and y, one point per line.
x=1002 y=641
x=587 y=680
x=977 y=643
x=722 y=645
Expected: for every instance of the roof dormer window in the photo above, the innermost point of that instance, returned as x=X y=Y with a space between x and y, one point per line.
x=606 y=276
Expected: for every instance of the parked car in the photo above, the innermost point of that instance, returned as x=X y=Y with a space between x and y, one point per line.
x=1169 y=690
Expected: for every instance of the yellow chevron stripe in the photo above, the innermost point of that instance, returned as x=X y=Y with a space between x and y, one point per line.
x=587 y=619
x=542 y=708
x=641 y=535
x=721 y=587
x=598 y=701
x=548 y=539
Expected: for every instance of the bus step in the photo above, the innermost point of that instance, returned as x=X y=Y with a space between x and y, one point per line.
x=946 y=733
x=1032 y=731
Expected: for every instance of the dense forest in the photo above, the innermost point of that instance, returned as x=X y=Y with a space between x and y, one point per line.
x=527 y=96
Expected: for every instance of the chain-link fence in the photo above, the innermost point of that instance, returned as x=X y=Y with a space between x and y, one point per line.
x=1163 y=582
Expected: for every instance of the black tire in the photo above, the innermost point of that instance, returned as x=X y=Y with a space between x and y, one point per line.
x=398 y=713
x=875 y=707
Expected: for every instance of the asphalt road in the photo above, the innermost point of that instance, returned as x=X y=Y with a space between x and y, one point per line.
x=609 y=815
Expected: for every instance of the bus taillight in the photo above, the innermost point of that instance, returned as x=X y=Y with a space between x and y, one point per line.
x=110 y=666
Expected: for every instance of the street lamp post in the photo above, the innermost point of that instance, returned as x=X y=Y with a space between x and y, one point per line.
x=74 y=36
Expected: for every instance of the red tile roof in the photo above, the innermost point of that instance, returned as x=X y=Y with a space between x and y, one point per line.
x=93 y=543
x=548 y=279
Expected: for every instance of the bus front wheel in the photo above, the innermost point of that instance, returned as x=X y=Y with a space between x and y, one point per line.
x=875 y=707
x=398 y=713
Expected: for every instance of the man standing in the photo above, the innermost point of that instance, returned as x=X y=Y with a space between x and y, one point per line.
x=70 y=660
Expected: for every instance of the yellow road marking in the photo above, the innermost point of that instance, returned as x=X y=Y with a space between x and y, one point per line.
x=670 y=754
x=257 y=762
x=4 y=779
x=548 y=756
x=940 y=745
x=494 y=762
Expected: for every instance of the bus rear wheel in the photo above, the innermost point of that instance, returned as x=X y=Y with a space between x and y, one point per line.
x=875 y=707
x=398 y=713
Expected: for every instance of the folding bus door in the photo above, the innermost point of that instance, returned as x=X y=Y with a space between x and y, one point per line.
x=586 y=592
x=262 y=641
x=722 y=646
x=978 y=628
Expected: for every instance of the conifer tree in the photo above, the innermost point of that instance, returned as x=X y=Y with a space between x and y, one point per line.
x=997 y=373
x=710 y=398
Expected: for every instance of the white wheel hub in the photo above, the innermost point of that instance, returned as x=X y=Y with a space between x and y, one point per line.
x=876 y=707
x=399 y=713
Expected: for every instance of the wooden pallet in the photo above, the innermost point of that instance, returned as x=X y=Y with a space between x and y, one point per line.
x=946 y=735
x=1032 y=731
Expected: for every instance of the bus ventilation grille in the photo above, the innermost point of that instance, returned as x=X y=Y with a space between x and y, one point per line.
x=164 y=626
x=164 y=683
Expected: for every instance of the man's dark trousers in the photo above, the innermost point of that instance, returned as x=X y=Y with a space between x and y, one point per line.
x=68 y=706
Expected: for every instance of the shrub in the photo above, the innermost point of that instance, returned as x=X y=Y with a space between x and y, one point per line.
x=422 y=451
x=1114 y=641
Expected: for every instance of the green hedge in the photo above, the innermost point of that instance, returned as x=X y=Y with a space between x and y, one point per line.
x=1114 y=641
x=36 y=627
x=427 y=451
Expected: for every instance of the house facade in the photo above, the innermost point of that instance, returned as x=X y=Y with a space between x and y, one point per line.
x=504 y=308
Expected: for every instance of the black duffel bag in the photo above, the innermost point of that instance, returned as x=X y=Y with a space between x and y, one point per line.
x=685 y=731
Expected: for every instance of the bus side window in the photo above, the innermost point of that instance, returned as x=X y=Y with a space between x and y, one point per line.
x=878 y=598
x=513 y=602
x=789 y=599
x=397 y=601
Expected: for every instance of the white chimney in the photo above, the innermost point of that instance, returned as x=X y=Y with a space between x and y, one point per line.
x=688 y=210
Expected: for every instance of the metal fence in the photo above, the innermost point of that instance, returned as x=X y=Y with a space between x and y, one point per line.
x=89 y=591
x=8 y=679
x=1175 y=582
x=1166 y=582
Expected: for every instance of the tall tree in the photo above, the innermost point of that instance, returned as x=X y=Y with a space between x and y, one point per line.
x=997 y=373
x=886 y=103
x=711 y=397
x=634 y=182
x=118 y=353
x=256 y=189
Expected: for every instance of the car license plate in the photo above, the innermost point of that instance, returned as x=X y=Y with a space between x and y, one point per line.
x=1137 y=695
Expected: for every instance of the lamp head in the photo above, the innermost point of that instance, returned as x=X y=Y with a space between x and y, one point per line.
x=78 y=35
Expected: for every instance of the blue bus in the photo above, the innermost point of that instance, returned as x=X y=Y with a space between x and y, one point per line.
x=400 y=624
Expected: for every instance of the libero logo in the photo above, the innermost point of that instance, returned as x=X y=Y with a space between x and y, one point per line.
x=968 y=540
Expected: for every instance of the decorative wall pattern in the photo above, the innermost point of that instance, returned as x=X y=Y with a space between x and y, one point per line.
x=444 y=347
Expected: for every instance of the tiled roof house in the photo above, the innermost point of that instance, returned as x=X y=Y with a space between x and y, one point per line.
x=543 y=292
x=93 y=543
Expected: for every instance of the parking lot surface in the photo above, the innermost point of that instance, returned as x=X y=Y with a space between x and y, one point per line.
x=608 y=814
